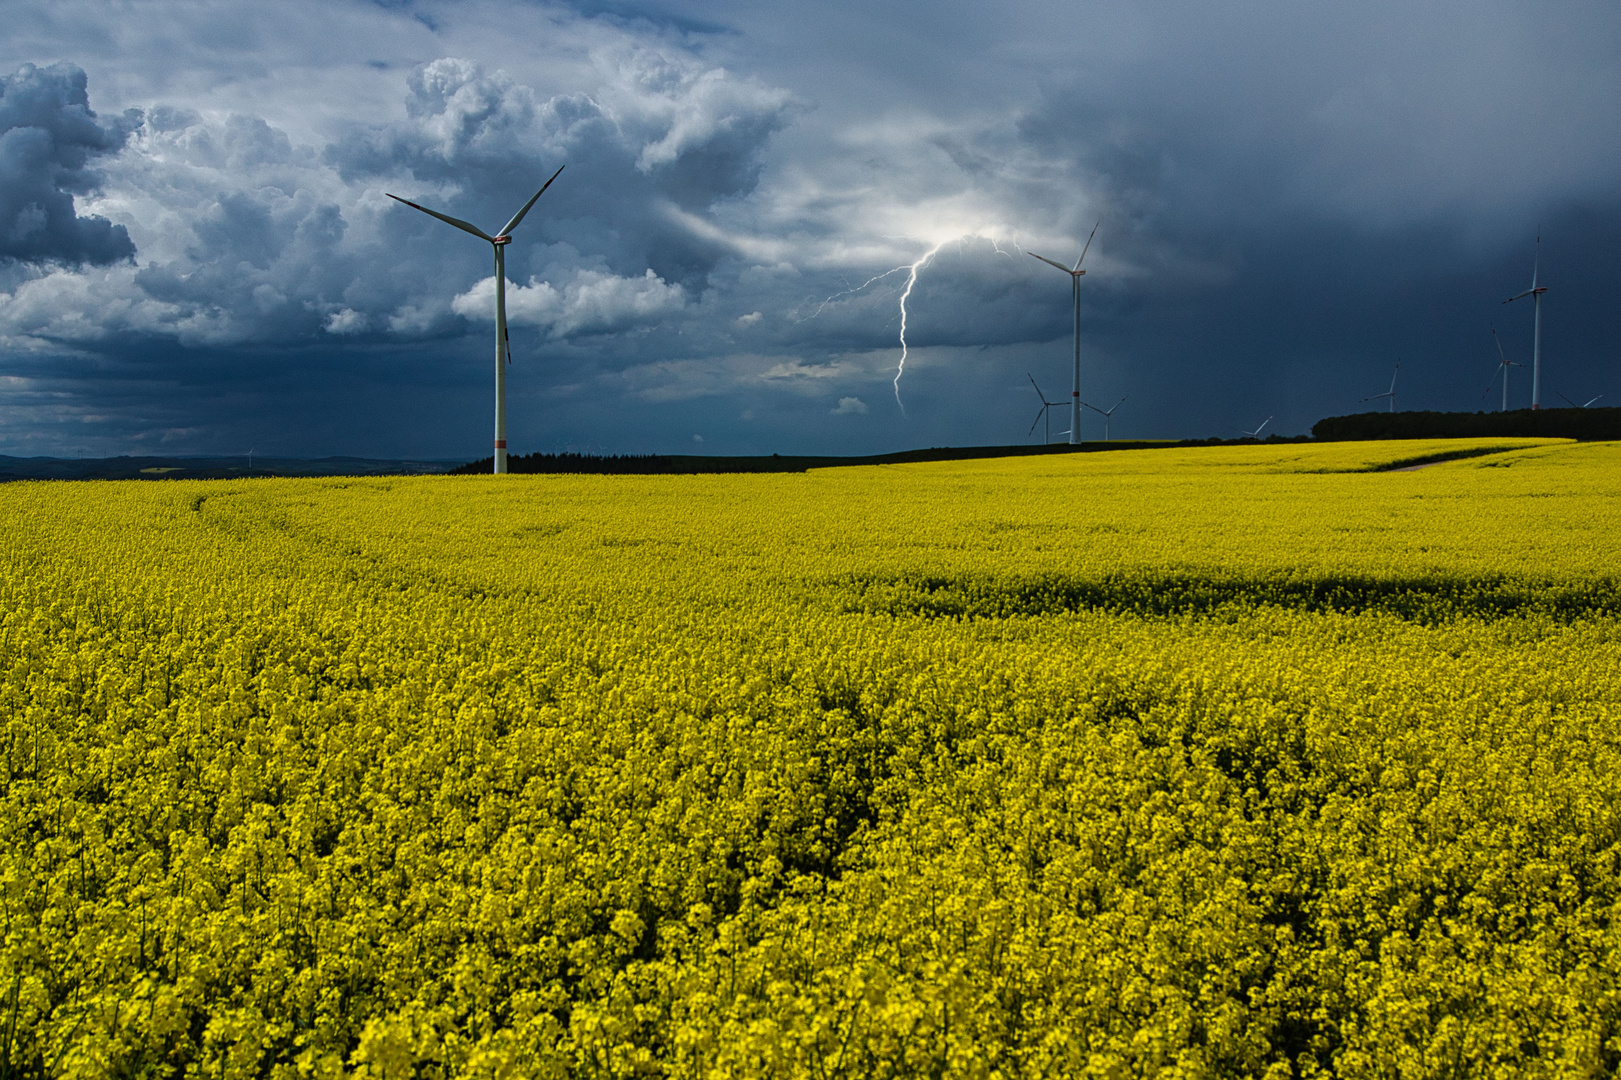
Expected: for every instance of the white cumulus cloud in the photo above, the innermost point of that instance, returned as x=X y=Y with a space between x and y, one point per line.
x=347 y=321
x=592 y=303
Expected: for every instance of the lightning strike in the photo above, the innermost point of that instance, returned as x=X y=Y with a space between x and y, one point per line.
x=911 y=270
x=848 y=292
x=911 y=279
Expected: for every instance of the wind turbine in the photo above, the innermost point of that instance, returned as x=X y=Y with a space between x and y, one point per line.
x=1075 y=273
x=1573 y=405
x=1503 y=364
x=1535 y=294
x=1107 y=416
x=503 y=346
x=1044 y=414
x=1256 y=434
x=1391 y=393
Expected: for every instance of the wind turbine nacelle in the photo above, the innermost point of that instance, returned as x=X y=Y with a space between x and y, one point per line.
x=499 y=240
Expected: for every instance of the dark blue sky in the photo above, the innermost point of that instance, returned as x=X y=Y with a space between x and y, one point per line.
x=197 y=254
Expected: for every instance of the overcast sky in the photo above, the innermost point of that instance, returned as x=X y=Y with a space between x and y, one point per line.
x=197 y=254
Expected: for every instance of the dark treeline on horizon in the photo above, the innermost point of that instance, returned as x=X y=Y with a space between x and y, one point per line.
x=1586 y=425
x=653 y=464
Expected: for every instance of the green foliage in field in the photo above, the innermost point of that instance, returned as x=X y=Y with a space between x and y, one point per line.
x=1225 y=762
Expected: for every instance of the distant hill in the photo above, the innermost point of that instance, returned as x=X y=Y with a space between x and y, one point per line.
x=1588 y=425
x=215 y=468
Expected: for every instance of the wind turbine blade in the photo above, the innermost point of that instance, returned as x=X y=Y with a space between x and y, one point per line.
x=1048 y=261
x=1536 y=260
x=1590 y=401
x=1501 y=359
x=513 y=224
x=1569 y=402
x=1036 y=421
x=446 y=218
x=1393 y=375
x=1039 y=394
x=1516 y=296
x=1088 y=244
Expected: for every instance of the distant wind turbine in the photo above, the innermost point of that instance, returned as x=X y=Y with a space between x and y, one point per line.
x=1503 y=364
x=1573 y=405
x=1535 y=293
x=1107 y=415
x=503 y=346
x=1256 y=434
x=1044 y=414
x=1391 y=393
x=1075 y=273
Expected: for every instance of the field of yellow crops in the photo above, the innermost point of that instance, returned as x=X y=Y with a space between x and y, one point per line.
x=1241 y=761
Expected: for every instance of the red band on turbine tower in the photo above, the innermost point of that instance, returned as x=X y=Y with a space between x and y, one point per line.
x=500 y=444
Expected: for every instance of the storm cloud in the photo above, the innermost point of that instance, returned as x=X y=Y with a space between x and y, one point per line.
x=1291 y=199
x=49 y=141
x=661 y=132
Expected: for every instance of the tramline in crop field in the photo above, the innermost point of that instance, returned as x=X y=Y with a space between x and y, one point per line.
x=1217 y=762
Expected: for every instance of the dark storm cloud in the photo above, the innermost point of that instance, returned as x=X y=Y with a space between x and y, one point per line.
x=1291 y=197
x=1315 y=198
x=655 y=15
x=252 y=242
x=49 y=138
x=680 y=136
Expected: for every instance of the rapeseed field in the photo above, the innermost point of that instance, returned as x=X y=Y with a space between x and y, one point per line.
x=1243 y=761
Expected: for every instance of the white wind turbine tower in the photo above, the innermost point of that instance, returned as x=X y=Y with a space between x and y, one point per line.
x=1075 y=272
x=1044 y=414
x=1535 y=294
x=1107 y=415
x=1503 y=364
x=1391 y=393
x=503 y=347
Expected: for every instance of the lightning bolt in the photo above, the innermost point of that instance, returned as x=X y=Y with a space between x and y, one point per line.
x=847 y=292
x=911 y=270
x=911 y=279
